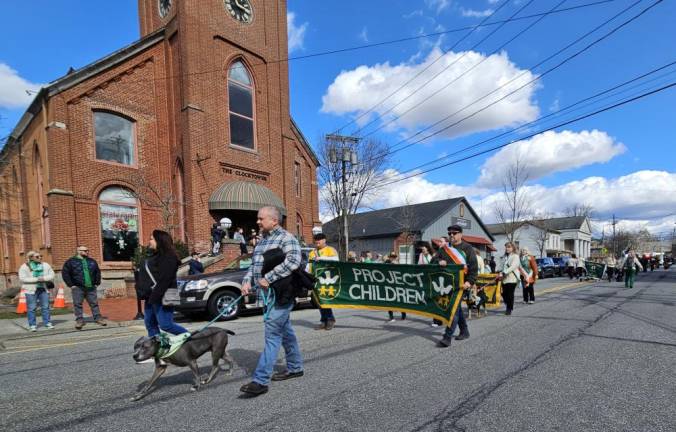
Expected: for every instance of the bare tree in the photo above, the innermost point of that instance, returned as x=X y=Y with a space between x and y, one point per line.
x=514 y=208
x=583 y=209
x=360 y=180
x=405 y=221
x=159 y=196
x=542 y=233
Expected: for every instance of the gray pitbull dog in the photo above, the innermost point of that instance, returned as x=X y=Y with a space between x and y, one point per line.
x=211 y=339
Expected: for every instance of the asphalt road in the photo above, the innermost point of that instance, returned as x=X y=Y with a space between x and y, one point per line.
x=583 y=358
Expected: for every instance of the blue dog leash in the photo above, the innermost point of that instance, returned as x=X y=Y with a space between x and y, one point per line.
x=268 y=300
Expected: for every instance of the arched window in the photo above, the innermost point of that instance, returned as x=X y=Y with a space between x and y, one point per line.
x=114 y=138
x=119 y=216
x=299 y=226
x=241 y=106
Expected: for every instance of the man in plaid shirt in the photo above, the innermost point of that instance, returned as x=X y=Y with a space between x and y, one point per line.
x=278 y=330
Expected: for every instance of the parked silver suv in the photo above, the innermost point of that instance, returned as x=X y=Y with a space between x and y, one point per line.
x=211 y=292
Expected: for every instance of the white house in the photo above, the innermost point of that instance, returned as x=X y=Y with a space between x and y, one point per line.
x=566 y=236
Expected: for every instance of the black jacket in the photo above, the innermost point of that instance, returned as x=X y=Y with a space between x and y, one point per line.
x=288 y=288
x=196 y=267
x=73 y=275
x=151 y=287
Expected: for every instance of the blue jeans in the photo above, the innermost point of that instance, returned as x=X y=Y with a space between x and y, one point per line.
x=42 y=296
x=278 y=331
x=458 y=320
x=326 y=315
x=158 y=317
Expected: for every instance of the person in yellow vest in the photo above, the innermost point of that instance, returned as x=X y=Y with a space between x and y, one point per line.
x=323 y=252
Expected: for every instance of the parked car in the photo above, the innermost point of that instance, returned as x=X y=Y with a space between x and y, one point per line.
x=211 y=292
x=560 y=263
x=546 y=267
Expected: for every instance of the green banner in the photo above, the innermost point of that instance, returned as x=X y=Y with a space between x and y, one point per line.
x=428 y=290
x=595 y=269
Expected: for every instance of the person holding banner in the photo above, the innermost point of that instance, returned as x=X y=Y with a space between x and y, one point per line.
x=509 y=276
x=323 y=252
x=611 y=263
x=462 y=253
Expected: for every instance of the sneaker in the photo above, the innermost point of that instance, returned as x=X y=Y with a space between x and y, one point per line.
x=79 y=324
x=531 y=302
x=33 y=328
x=101 y=322
x=49 y=326
x=330 y=324
x=462 y=336
x=320 y=326
x=434 y=325
x=254 y=389
x=508 y=312
x=282 y=376
x=390 y=320
x=444 y=342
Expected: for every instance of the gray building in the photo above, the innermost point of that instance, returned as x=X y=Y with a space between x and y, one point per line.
x=396 y=229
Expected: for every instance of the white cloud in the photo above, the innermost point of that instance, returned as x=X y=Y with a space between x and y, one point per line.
x=551 y=152
x=438 y=5
x=295 y=33
x=357 y=90
x=13 y=88
x=415 y=13
x=364 y=35
x=476 y=13
x=632 y=198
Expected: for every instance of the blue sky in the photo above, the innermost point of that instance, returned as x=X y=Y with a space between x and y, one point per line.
x=621 y=162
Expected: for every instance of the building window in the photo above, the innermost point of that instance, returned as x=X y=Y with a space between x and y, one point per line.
x=461 y=209
x=297 y=178
x=44 y=213
x=114 y=138
x=119 y=216
x=241 y=106
x=180 y=200
x=299 y=226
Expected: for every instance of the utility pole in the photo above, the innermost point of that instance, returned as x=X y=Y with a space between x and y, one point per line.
x=342 y=151
x=614 y=244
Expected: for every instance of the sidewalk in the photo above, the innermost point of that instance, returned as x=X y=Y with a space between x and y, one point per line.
x=119 y=312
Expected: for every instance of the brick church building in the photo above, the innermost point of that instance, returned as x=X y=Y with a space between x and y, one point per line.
x=187 y=125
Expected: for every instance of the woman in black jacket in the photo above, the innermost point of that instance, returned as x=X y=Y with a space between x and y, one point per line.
x=157 y=275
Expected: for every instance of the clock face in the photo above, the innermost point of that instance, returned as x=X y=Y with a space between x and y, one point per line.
x=164 y=6
x=240 y=10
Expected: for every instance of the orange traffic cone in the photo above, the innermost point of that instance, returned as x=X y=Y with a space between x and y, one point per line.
x=21 y=307
x=60 y=300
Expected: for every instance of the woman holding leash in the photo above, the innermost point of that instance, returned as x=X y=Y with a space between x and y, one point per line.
x=34 y=275
x=509 y=276
x=157 y=275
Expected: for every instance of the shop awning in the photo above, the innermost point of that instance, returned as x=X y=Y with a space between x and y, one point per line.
x=242 y=195
x=478 y=240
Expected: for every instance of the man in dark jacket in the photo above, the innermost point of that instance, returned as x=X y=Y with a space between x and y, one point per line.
x=455 y=235
x=194 y=265
x=82 y=275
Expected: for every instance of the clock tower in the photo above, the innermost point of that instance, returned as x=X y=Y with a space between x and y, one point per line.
x=228 y=93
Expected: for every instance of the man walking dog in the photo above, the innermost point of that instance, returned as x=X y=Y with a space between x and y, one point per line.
x=278 y=330
x=82 y=275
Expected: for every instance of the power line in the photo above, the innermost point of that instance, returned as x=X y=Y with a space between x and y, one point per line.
x=548 y=71
x=435 y=76
x=444 y=52
x=577 y=119
x=562 y=110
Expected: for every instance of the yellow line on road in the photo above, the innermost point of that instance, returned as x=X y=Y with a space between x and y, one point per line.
x=65 y=344
x=570 y=285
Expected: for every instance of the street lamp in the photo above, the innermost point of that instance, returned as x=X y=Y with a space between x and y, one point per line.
x=225 y=225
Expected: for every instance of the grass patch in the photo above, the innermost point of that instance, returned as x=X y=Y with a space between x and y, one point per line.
x=5 y=314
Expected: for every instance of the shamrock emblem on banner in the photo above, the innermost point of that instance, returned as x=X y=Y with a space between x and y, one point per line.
x=441 y=287
x=328 y=280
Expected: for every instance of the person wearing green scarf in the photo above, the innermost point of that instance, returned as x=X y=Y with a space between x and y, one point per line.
x=82 y=274
x=33 y=275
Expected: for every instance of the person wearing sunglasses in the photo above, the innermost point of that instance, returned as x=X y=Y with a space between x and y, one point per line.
x=82 y=274
x=34 y=275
